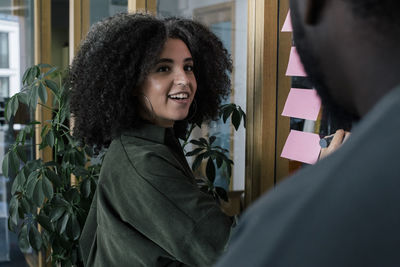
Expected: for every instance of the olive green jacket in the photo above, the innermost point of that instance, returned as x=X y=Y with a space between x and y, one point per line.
x=148 y=211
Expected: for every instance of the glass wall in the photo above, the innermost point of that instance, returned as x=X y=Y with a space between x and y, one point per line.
x=100 y=9
x=228 y=20
x=16 y=54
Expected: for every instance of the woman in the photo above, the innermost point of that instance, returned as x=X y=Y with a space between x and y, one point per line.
x=136 y=83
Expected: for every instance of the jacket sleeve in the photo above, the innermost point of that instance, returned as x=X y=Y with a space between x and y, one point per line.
x=153 y=195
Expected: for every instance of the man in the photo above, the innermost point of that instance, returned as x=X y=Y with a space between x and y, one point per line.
x=345 y=210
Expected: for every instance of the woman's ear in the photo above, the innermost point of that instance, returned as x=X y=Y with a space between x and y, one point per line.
x=314 y=10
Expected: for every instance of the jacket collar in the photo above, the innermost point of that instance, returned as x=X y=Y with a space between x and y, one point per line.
x=150 y=132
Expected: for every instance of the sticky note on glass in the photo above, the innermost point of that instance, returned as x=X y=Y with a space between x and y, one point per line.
x=302 y=146
x=287 y=26
x=302 y=104
x=295 y=67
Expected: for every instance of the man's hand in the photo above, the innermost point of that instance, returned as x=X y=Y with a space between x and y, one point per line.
x=338 y=139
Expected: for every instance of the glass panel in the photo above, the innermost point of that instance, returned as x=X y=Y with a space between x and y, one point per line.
x=228 y=20
x=4 y=86
x=100 y=9
x=4 y=54
x=16 y=54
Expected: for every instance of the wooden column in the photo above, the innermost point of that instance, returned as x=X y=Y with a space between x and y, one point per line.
x=267 y=90
x=261 y=98
x=79 y=23
x=142 y=6
x=42 y=50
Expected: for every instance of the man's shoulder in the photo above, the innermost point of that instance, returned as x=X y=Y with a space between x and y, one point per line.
x=327 y=214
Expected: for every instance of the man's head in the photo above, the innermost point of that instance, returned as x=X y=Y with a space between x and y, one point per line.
x=349 y=50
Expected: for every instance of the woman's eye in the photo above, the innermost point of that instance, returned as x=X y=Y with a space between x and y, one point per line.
x=163 y=69
x=188 y=68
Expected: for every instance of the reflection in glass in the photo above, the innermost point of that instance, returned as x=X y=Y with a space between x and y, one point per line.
x=4 y=86
x=101 y=9
x=16 y=54
x=4 y=53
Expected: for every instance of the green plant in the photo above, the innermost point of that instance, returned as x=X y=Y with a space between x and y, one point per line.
x=42 y=193
x=216 y=156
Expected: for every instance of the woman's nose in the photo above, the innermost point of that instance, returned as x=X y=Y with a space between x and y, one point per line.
x=181 y=78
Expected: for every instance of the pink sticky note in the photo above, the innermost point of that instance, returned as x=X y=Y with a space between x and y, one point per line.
x=302 y=146
x=303 y=104
x=287 y=26
x=295 y=67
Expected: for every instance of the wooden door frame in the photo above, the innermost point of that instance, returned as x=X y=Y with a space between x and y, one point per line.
x=267 y=88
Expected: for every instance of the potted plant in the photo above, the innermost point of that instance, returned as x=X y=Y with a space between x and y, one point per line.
x=42 y=193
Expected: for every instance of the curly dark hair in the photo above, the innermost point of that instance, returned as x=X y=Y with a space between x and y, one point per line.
x=114 y=60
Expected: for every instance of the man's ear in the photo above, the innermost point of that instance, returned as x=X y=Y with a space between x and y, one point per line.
x=314 y=10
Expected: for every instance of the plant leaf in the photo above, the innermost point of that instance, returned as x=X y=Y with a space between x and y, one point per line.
x=229 y=168
x=33 y=97
x=47 y=187
x=196 y=142
x=85 y=187
x=35 y=238
x=197 y=161
x=18 y=182
x=53 y=87
x=36 y=71
x=23 y=98
x=5 y=164
x=26 y=207
x=54 y=178
x=53 y=69
x=210 y=170
x=76 y=228
x=227 y=111
x=44 y=65
x=31 y=184
x=38 y=194
x=14 y=210
x=236 y=119
x=56 y=214
x=63 y=223
x=219 y=161
x=14 y=162
x=11 y=107
x=25 y=76
x=203 y=141
x=23 y=240
x=14 y=105
x=20 y=137
x=44 y=221
x=31 y=75
x=42 y=93
x=212 y=139
x=194 y=152
x=50 y=138
x=21 y=152
x=208 y=154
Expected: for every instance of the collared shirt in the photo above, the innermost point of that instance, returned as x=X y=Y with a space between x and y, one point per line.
x=148 y=211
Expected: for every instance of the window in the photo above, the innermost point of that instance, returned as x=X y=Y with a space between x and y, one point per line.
x=16 y=53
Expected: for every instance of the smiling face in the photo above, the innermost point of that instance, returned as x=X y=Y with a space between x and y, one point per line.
x=169 y=88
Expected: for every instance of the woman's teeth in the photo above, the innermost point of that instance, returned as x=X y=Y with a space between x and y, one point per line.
x=179 y=96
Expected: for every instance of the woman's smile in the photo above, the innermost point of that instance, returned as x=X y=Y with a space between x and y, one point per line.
x=170 y=87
